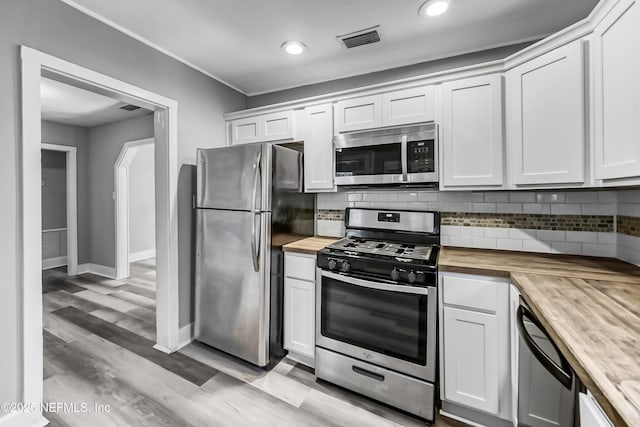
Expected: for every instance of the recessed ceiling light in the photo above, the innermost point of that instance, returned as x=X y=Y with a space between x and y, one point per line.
x=434 y=7
x=293 y=47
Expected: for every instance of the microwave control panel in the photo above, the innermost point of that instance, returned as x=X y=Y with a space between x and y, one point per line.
x=420 y=156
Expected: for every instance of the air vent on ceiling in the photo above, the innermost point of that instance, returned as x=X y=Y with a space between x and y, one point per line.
x=129 y=107
x=360 y=38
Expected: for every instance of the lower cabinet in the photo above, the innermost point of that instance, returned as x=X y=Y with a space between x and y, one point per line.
x=300 y=307
x=591 y=415
x=475 y=353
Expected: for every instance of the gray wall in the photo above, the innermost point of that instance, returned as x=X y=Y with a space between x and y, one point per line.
x=58 y=29
x=54 y=189
x=105 y=144
x=76 y=136
x=384 y=76
x=142 y=214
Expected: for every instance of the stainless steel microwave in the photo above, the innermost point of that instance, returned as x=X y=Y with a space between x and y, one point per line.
x=399 y=155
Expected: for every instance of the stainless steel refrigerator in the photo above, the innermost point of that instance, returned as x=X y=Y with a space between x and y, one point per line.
x=250 y=202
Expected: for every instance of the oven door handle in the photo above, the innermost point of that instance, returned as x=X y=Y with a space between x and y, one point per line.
x=376 y=285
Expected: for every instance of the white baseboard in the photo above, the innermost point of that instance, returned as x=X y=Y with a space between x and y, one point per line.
x=97 y=269
x=185 y=336
x=139 y=256
x=54 y=262
x=23 y=419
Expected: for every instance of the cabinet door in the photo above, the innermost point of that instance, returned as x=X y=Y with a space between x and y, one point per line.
x=277 y=126
x=616 y=76
x=299 y=316
x=408 y=106
x=247 y=130
x=590 y=413
x=472 y=137
x=318 y=149
x=358 y=114
x=471 y=359
x=545 y=117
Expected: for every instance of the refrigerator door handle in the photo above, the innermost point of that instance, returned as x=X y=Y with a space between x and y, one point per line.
x=256 y=168
x=255 y=248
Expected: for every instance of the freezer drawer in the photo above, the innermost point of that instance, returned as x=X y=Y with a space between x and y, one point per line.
x=232 y=282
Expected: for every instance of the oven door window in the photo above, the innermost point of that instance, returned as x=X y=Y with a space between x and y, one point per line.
x=387 y=322
x=369 y=160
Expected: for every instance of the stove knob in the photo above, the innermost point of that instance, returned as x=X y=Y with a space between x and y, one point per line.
x=412 y=276
x=332 y=264
x=395 y=274
x=345 y=266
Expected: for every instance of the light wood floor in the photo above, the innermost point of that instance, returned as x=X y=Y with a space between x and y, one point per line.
x=99 y=334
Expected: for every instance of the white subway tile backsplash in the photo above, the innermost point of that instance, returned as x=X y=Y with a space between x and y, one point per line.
x=464 y=241
x=606 y=202
x=582 y=197
x=566 y=209
x=536 y=208
x=582 y=236
x=598 y=249
x=428 y=196
x=483 y=242
x=536 y=246
x=598 y=209
x=484 y=207
x=522 y=197
x=496 y=197
x=551 y=235
x=509 y=244
x=566 y=248
x=496 y=232
x=509 y=207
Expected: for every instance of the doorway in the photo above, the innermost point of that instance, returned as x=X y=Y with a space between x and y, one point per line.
x=36 y=64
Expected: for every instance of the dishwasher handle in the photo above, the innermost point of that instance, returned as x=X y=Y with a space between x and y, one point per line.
x=563 y=373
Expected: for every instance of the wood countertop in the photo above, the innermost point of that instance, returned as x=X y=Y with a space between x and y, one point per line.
x=589 y=306
x=309 y=245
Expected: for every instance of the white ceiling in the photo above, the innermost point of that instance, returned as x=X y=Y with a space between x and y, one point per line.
x=238 y=41
x=67 y=104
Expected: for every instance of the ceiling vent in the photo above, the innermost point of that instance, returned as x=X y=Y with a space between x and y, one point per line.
x=360 y=38
x=129 y=107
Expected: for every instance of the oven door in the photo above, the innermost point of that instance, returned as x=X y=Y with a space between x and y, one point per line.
x=369 y=164
x=379 y=322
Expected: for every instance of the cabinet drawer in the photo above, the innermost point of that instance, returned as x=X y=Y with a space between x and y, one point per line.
x=300 y=267
x=470 y=292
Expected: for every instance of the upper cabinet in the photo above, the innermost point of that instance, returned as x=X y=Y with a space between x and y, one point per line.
x=616 y=92
x=263 y=128
x=389 y=109
x=545 y=118
x=471 y=132
x=358 y=113
x=318 y=148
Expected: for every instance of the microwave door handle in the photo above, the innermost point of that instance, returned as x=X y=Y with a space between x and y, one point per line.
x=562 y=373
x=403 y=156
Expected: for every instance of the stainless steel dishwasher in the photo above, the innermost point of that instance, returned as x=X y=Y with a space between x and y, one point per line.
x=547 y=386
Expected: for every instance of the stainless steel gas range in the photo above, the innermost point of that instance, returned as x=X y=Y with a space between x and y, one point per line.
x=377 y=308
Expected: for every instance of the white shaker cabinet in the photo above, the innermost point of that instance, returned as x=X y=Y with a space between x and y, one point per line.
x=401 y=107
x=408 y=106
x=591 y=415
x=263 y=128
x=475 y=353
x=472 y=132
x=300 y=306
x=318 y=149
x=358 y=114
x=616 y=92
x=246 y=131
x=471 y=358
x=545 y=118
